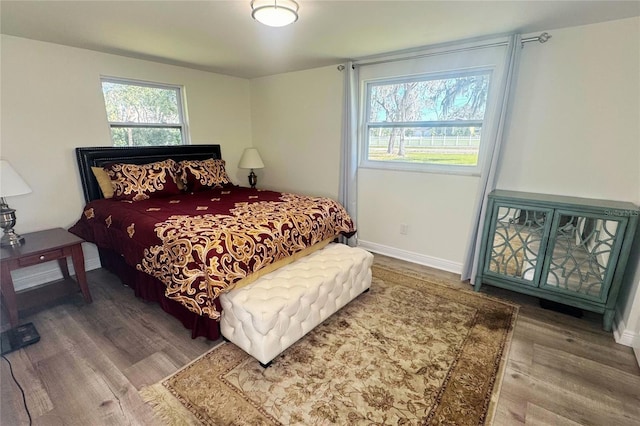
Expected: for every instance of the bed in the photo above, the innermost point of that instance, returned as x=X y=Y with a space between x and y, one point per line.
x=180 y=233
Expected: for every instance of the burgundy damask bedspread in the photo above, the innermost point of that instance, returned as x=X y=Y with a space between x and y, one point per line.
x=199 y=245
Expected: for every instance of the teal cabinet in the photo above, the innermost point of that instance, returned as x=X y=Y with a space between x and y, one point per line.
x=565 y=249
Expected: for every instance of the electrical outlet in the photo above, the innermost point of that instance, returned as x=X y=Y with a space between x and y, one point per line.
x=404 y=228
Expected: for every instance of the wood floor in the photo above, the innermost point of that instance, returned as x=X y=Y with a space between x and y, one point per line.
x=92 y=359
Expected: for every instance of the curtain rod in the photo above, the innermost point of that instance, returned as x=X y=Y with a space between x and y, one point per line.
x=542 y=38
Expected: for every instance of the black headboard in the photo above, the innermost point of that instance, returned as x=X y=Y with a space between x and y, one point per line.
x=99 y=156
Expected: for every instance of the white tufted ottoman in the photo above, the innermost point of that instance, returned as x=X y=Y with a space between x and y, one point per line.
x=269 y=315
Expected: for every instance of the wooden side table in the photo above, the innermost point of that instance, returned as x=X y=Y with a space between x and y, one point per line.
x=39 y=247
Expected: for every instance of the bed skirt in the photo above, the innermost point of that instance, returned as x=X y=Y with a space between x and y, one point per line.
x=149 y=288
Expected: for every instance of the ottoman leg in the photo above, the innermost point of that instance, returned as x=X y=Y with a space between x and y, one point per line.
x=267 y=365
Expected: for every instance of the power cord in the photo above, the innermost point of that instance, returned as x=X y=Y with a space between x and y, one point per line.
x=24 y=399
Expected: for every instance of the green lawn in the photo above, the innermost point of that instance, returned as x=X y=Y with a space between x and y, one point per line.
x=463 y=159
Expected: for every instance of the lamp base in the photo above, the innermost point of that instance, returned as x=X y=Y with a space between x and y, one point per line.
x=7 y=222
x=11 y=239
x=253 y=179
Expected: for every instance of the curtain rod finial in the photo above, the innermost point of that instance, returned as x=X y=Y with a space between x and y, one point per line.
x=544 y=37
x=340 y=67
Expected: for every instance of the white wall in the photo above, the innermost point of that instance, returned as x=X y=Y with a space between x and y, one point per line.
x=575 y=124
x=51 y=103
x=627 y=330
x=576 y=104
x=575 y=129
x=419 y=216
x=297 y=121
x=436 y=208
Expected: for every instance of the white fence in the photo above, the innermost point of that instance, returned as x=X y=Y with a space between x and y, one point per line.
x=428 y=141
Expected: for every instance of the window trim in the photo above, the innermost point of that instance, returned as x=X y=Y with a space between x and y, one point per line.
x=180 y=98
x=365 y=125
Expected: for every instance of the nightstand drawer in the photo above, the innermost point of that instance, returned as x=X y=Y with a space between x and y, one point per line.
x=39 y=258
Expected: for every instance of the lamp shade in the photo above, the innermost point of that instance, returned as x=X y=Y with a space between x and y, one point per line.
x=250 y=159
x=11 y=183
x=274 y=13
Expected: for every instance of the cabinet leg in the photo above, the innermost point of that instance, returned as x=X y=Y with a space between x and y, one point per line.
x=478 y=284
x=607 y=322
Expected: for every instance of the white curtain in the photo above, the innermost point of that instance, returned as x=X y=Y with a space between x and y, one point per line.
x=347 y=194
x=489 y=173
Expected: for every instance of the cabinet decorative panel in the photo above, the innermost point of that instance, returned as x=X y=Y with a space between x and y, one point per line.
x=580 y=254
x=566 y=249
x=517 y=238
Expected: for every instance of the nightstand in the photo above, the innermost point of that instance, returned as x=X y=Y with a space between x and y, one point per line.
x=39 y=247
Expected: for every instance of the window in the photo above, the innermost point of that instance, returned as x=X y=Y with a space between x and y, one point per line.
x=144 y=114
x=429 y=122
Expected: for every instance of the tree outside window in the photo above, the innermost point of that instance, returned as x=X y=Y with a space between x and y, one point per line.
x=426 y=120
x=144 y=114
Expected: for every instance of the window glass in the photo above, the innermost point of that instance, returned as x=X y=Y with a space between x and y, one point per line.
x=426 y=120
x=144 y=114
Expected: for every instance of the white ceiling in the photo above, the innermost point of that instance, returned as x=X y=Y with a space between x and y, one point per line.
x=221 y=36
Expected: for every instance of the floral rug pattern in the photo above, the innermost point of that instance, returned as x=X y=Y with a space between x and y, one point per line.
x=408 y=352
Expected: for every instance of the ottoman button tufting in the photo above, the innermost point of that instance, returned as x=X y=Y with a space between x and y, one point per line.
x=269 y=315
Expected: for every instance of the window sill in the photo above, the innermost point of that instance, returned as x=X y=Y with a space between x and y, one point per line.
x=421 y=168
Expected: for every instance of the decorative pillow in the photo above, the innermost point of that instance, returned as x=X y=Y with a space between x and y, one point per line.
x=104 y=181
x=204 y=174
x=140 y=182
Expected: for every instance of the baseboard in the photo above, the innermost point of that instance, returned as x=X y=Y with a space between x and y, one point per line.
x=33 y=276
x=421 y=259
x=625 y=336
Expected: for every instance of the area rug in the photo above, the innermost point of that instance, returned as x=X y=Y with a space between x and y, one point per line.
x=410 y=351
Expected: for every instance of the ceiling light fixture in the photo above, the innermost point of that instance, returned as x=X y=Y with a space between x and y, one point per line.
x=274 y=13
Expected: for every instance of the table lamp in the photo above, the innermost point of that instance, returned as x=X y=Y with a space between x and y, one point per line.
x=251 y=160
x=11 y=184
